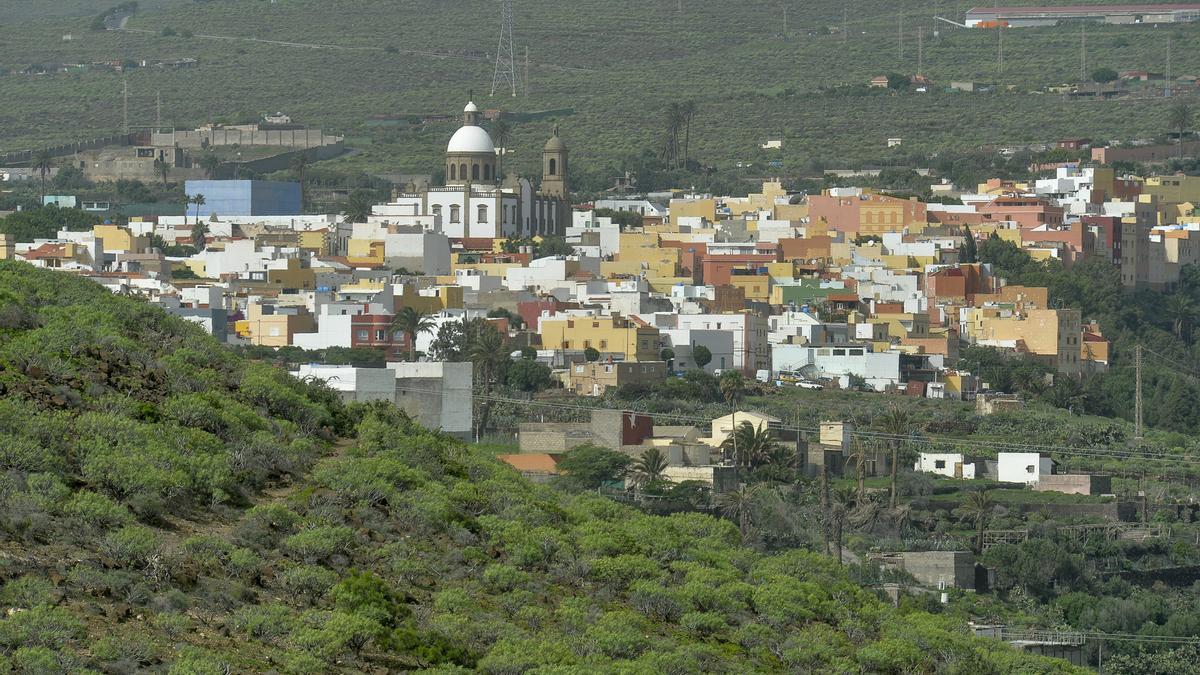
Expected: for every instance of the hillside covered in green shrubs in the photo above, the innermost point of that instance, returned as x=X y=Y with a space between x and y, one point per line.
x=168 y=506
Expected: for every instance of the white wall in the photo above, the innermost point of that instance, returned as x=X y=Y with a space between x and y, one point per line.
x=928 y=462
x=1021 y=467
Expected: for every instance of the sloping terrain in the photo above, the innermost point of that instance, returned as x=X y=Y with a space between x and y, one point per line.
x=616 y=63
x=168 y=506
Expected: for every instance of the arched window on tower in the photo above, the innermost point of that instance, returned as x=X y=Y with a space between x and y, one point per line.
x=553 y=167
x=487 y=171
x=462 y=171
x=453 y=172
x=474 y=172
x=455 y=216
x=482 y=213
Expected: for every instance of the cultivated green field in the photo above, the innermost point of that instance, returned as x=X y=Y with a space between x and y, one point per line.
x=617 y=63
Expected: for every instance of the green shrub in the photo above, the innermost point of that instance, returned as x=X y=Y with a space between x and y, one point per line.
x=37 y=661
x=96 y=512
x=500 y=578
x=132 y=545
x=306 y=581
x=702 y=624
x=319 y=543
x=51 y=627
x=264 y=622
x=193 y=661
x=27 y=592
x=330 y=635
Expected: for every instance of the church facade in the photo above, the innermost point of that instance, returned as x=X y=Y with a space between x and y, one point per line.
x=475 y=204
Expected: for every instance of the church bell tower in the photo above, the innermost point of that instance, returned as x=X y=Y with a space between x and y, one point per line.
x=554 y=168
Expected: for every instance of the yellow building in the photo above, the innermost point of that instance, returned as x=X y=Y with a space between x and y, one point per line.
x=1173 y=189
x=8 y=247
x=606 y=334
x=365 y=252
x=269 y=327
x=757 y=287
x=694 y=208
x=292 y=278
x=1052 y=336
x=119 y=239
x=440 y=298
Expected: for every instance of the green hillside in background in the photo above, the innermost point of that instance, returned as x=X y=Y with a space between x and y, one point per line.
x=616 y=63
x=170 y=507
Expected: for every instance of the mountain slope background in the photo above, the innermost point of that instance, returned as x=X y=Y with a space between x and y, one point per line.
x=617 y=64
x=168 y=506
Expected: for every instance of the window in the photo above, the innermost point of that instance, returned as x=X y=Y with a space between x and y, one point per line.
x=362 y=334
x=453 y=172
x=553 y=167
x=487 y=171
x=455 y=216
x=1029 y=469
x=939 y=463
x=274 y=331
x=603 y=344
x=379 y=334
x=482 y=213
x=475 y=172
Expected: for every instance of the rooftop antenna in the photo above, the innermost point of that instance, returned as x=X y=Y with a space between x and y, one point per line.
x=506 y=62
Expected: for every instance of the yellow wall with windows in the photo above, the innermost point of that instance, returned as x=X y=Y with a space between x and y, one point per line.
x=604 y=334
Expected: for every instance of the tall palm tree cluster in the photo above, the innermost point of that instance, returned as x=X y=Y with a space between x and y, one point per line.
x=674 y=152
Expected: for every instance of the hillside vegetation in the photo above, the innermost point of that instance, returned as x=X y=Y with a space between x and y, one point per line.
x=169 y=506
x=617 y=64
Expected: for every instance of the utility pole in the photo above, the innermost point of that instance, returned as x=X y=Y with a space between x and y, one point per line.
x=506 y=65
x=157 y=111
x=920 y=49
x=1167 y=93
x=785 y=27
x=845 y=27
x=526 y=70
x=1000 y=49
x=900 y=31
x=125 y=106
x=1137 y=395
x=1083 y=52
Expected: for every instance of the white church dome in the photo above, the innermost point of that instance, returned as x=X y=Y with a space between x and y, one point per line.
x=471 y=139
x=471 y=107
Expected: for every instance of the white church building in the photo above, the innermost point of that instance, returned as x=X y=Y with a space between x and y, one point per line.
x=476 y=204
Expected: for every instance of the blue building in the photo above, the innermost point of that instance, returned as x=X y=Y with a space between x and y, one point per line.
x=245 y=198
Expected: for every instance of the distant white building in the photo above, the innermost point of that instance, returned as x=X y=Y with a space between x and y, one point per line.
x=881 y=370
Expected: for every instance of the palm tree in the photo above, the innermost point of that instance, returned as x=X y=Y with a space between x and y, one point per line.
x=750 y=446
x=897 y=424
x=162 y=167
x=299 y=166
x=859 y=457
x=1181 y=310
x=198 y=200
x=902 y=518
x=688 y=109
x=978 y=508
x=649 y=468
x=359 y=206
x=843 y=503
x=1179 y=118
x=42 y=163
x=731 y=386
x=501 y=133
x=412 y=323
x=210 y=162
x=485 y=349
x=675 y=120
x=738 y=506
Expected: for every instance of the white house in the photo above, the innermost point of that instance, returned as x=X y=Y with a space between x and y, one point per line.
x=1022 y=467
x=949 y=464
x=881 y=370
